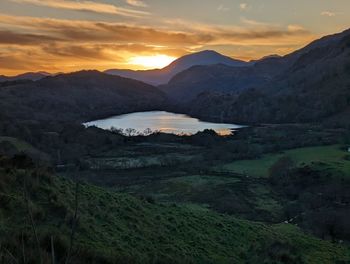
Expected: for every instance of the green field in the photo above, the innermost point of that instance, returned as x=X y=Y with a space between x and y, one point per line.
x=249 y=195
x=329 y=156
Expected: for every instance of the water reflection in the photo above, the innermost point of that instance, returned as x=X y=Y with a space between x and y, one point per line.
x=162 y=121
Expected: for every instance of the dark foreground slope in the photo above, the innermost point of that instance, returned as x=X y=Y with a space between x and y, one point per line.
x=308 y=85
x=118 y=228
x=77 y=96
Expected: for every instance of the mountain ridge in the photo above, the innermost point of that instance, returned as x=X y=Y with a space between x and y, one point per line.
x=32 y=76
x=78 y=96
x=161 y=76
x=308 y=85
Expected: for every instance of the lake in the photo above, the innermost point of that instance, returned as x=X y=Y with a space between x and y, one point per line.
x=162 y=121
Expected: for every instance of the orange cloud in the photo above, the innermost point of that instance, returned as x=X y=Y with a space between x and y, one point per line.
x=65 y=45
x=85 y=6
x=137 y=3
x=8 y=37
x=102 y=32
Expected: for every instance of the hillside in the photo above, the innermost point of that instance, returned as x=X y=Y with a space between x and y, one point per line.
x=162 y=76
x=220 y=78
x=77 y=96
x=118 y=228
x=308 y=85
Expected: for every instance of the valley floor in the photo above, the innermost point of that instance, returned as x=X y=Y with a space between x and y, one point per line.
x=264 y=195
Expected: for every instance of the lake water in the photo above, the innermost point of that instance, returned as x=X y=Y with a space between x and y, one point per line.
x=162 y=121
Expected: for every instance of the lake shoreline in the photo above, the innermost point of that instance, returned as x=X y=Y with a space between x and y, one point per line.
x=163 y=121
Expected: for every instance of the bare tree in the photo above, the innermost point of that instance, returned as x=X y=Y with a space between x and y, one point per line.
x=1 y=255
x=52 y=251
x=147 y=132
x=23 y=249
x=118 y=131
x=11 y=255
x=30 y=214
x=74 y=220
x=130 y=132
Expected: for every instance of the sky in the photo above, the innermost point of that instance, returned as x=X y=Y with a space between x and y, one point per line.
x=71 y=35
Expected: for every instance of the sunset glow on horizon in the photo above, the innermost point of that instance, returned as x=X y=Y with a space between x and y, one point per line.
x=70 y=35
x=152 y=62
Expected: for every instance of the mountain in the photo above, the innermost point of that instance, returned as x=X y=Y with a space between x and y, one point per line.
x=219 y=78
x=33 y=76
x=162 y=76
x=78 y=96
x=207 y=57
x=188 y=84
x=308 y=85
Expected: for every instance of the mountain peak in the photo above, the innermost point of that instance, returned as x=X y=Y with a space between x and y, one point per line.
x=205 y=57
x=208 y=57
x=162 y=76
x=208 y=52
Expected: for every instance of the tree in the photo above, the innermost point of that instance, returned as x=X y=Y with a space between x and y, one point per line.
x=147 y=132
x=130 y=132
x=280 y=169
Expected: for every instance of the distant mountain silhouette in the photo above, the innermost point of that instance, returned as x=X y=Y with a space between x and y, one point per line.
x=310 y=84
x=78 y=96
x=162 y=76
x=33 y=76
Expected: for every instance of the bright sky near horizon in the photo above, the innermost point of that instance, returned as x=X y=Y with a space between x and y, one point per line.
x=70 y=35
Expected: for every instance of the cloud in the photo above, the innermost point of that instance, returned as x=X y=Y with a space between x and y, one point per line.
x=222 y=8
x=65 y=45
x=89 y=6
x=12 y=38
x=137 y=3
x=250 y=32
x=14 y=63
x=243 y=6
x=328 y=13
x=104 y=32
x=254 y=23
x=191 y=34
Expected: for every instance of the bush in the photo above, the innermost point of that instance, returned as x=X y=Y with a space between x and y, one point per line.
x=280 y=169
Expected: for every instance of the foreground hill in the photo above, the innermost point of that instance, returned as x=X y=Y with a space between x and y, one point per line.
x=118 y=228
x=308 y=85
x=162 y=76
x=77 y=96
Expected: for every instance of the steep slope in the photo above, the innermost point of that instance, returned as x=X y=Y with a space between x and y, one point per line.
x=78 y=96
x=188 y=84
x=119 y=228
x=308 y=85
x=162 y=76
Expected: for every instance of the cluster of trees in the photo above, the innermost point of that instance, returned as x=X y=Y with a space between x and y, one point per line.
x=316 y=199
x=131 y=132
